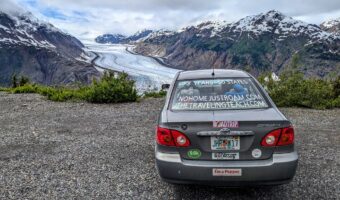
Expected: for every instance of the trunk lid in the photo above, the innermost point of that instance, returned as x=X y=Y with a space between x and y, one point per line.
x=234 y=138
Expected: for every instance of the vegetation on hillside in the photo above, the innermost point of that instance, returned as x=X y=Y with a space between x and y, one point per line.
x=293 y=90
x=110 y=89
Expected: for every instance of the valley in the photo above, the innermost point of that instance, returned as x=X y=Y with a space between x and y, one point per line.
x=148 y=73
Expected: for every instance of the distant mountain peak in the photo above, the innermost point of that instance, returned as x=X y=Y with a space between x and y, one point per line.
x=263 y=41
x=110 y=38
x=140 y=35
x=332 y=25
x=267 y=22
x=23 y=28
x=38 y=50
x=271 y=22
x=118 y=38
x=275 y=14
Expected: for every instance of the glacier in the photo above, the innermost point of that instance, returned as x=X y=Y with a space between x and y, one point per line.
x=148 y=73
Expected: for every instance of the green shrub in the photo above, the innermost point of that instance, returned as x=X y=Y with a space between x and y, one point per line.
x=111 y=89
x=28 y=88
x=14 y=81
x=294 y=90
x=336 y=103
x=23 y=81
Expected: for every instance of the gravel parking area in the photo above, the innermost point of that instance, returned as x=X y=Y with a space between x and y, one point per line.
x=52 y=150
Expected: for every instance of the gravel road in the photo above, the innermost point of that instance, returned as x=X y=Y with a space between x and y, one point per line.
x=52 y=150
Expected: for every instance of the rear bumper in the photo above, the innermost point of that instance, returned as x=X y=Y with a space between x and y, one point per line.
x=279 y=169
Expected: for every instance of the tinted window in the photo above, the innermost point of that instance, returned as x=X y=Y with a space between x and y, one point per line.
x=217 y=94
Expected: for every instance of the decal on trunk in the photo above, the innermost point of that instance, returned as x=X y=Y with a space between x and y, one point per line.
x=256 y=153
x=225 y=124
x=194 y=153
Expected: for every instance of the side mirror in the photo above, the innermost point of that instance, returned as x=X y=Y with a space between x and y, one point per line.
x=165 y=86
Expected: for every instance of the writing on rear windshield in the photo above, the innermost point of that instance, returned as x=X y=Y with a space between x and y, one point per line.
x=215 y=94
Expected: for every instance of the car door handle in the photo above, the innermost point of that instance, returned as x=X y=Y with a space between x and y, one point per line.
x=225 y=133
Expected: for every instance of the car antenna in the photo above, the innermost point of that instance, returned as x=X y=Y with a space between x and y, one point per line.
x=213 y=72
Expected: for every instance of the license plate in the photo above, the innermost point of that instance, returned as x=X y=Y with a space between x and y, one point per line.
x=226 y=172
x=225 y=143
x=225 y=156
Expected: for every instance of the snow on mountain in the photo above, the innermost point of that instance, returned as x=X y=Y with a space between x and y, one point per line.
x=159 y=33
x=38 y=50
x=140 y=35
x=262 y=42
x=331 y=25
x=212 y=27
x=20 y=29
x=279 y=24
x=272 y=22
x=118 y=38
x=110 y=38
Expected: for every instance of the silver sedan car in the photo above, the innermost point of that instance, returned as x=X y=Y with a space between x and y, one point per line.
x=221 y=128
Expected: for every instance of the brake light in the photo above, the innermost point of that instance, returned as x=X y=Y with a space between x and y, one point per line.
x=287 y=136
x=279 y=137
x=170 y=137
x=164 y=137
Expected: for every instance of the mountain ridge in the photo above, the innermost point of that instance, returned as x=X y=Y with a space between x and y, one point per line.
x=40 y=51
x=119 y=38
x=258 y=43
x=332 y=25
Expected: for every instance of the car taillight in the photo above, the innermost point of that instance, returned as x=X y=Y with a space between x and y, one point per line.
x=180 y=139
x=287 y=136
x=271 y=138
x=170 y=137
x=279 y=137
x=164 y=137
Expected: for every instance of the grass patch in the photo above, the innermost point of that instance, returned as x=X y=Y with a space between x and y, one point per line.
x=155 y=94
x=2 y=89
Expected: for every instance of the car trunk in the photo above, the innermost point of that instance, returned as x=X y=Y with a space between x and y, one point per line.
x=226 y=143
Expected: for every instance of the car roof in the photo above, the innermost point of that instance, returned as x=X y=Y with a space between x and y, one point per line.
x=207 y=73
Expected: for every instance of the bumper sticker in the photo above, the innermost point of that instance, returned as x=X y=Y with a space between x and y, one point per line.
x=194 y=153
x=225 y=124
x=225 y=156
x=256 y=153
x=226 y=172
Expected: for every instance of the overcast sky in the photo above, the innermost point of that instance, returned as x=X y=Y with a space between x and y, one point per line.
x=90 y=18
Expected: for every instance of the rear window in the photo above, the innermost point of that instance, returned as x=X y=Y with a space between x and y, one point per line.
x=217 y=94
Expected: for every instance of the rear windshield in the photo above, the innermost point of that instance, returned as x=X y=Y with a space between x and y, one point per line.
x=217 y=94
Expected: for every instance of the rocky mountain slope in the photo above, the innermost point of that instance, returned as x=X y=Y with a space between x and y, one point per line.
x=264 y=42
x=118 y=38
x=331 y=25
x=40 y=51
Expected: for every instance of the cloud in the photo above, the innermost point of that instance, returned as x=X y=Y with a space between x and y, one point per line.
x=10 y=7
x=53 y=13
x=137 y=5
x=90 y=18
